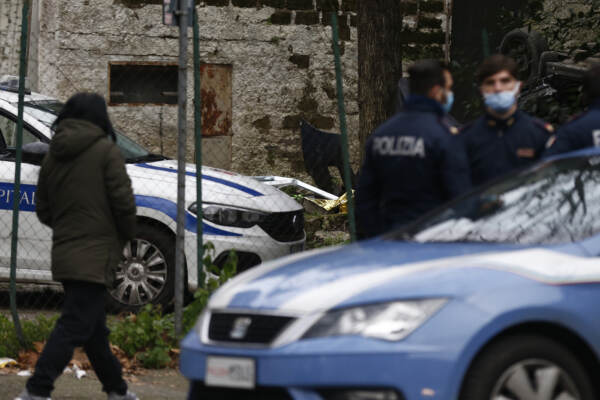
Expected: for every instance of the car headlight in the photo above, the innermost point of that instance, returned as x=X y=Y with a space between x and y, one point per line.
x=388 y=321
x=228 y=216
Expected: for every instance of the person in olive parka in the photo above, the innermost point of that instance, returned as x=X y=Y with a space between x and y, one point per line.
x=84 y=194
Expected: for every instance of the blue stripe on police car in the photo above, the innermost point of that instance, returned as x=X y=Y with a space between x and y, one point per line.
x=169 y=208
x=206 y=177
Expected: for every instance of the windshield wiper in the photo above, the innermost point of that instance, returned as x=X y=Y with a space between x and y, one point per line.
x=146 y=157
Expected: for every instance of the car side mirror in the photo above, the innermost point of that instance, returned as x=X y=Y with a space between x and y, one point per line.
x=34 y=153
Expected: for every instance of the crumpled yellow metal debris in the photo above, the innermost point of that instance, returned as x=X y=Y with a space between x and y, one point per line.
x=329 y=205
x=5 y=362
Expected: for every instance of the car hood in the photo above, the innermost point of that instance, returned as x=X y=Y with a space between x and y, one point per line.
x=218 y=186
x=378 y=270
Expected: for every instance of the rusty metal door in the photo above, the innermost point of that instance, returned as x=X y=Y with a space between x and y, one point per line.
x=216 y=99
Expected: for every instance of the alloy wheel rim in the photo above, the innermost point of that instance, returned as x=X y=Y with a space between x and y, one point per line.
x=535 y=379
x=141 y=275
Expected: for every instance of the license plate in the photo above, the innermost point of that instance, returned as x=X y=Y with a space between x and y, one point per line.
x=296 y=248
x=230 y=372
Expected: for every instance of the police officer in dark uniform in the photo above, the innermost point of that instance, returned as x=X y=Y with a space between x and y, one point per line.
x=583 y=130
x=403 y=92
x=504 y=138
x=413 y=162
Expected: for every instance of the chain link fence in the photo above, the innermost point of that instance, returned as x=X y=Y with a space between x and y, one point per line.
x=261 y=212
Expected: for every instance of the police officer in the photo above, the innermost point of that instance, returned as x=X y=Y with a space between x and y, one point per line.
x=503 y=138
x=403 y=92
x=584 y=130
x=449 y=119
x=413 y=162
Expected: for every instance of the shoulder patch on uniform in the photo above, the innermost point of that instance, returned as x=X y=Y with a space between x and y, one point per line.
x=453 y=129
x=544 y=125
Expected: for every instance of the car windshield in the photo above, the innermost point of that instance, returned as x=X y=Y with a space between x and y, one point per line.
x=46 y=111
x=555 y=202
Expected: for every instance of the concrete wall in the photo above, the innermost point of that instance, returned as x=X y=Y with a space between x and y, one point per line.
x=10 y=36
x=282 y=67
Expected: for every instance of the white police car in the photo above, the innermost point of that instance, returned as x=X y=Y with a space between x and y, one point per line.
x=257 y=220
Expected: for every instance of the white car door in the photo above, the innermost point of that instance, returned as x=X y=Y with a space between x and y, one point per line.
x=34 y=239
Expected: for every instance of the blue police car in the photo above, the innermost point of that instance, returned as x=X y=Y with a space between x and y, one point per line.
x=494 y=296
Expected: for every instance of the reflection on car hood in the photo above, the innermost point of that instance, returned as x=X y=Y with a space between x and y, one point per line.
x=218 y=186
x=376 y=270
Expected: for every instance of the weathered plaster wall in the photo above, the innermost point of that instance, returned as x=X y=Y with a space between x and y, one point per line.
x=10 y=36
x=282 y=62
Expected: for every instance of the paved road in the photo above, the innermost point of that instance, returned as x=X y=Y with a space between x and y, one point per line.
x=148 y=384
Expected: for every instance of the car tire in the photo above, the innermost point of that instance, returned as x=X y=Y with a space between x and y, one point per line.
x=512 y=365
x=146 y=273
x=526 y=49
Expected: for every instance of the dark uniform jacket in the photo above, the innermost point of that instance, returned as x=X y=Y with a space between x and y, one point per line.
x=581 y=132
x=495 y=147
x=84 y=194
x=413 y=163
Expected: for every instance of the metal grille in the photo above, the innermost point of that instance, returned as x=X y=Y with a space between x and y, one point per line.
x=262 y=329
x=284 y=227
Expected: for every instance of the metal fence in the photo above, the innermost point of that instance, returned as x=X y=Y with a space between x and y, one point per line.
x=259 y=214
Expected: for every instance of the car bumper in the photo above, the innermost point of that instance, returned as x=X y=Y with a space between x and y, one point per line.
x=305 y=369
x=265 y=247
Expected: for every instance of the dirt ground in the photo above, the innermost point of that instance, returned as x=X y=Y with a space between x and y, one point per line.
x=148 y=384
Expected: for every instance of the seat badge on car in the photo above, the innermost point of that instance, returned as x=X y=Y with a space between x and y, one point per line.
x=240 y=327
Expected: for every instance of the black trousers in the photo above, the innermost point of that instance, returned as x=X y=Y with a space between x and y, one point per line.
x=81 y=323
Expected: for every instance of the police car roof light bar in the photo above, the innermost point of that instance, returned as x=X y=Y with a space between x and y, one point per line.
x=10 y=83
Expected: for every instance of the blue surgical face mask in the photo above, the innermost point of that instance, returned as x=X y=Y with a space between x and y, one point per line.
x=503 y=101
x=447 y=106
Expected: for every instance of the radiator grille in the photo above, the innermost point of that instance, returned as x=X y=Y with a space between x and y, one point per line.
x=246 y=328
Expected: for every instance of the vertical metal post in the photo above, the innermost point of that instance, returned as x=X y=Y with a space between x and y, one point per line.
x=181 y=142
x=198 y=148
x=17 y=192
x=342 y=113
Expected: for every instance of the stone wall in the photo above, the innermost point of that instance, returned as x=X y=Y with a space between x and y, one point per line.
x=282 y=68
x=568 y=25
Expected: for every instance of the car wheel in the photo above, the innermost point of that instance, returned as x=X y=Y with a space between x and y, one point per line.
x=146 y=273
x=527 y=367
x=525 y=48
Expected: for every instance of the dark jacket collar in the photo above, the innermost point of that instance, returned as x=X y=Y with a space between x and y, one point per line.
x=492 y=121
x=423 y=104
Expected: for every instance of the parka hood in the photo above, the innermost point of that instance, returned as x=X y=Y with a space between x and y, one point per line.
x=72 y=137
